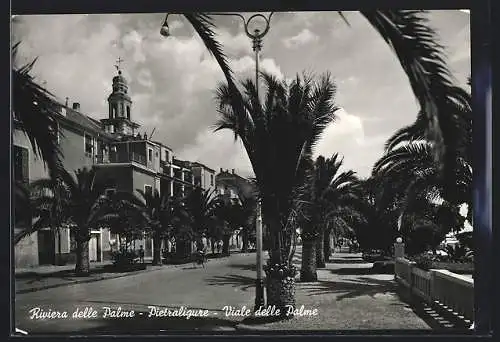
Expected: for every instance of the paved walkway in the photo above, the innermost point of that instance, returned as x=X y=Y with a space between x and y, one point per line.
x=350 y=295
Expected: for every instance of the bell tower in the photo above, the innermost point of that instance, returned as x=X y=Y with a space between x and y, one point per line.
x=119 y=119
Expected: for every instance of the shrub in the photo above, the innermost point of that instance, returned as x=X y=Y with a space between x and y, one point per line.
x=123 y=257
x=424 y=261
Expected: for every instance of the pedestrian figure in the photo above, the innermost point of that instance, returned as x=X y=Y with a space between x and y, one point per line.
x=141 y=254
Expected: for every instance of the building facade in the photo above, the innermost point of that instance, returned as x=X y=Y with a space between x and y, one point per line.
x=232 y=186
x=124 y=160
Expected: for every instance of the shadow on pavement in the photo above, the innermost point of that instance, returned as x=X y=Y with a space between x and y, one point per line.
x=363 y=270
x=244 y=267
x=347 y=261
x=433 y=318
x=362 y=286
x=236 y=280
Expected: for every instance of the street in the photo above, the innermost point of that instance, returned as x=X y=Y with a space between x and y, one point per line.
x=224 y=282
x=347 y=295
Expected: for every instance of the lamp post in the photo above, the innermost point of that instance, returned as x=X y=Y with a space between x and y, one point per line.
x=256 y=36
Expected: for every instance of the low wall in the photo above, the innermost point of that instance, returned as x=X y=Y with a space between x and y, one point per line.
x=451 y=291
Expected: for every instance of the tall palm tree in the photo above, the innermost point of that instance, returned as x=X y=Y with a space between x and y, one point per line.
x=415 y=43
x=245 y=218
x=413 y=173
x=201 y=206
x=49 y=204
x=278 y=135
x=87 y=206
x=158 y=208
x=333 y=194
x=34 y=112
x=332 y=189
x=457 y=111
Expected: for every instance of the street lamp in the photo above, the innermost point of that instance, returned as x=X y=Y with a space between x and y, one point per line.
x=256 y=37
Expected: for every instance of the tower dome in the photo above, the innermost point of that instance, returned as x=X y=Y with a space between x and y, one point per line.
x=119 y=78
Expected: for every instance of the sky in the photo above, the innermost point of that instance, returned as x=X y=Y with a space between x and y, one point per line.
x=172 y=80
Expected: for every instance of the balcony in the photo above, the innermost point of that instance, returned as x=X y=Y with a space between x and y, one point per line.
x=121 y=158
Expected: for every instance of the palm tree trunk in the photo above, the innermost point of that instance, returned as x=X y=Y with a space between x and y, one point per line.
x=199 y=244
x=308 y=264
x=225 y=245
x=244 y=238
x=320 y=249
x=82 y=258
x=157 y=251
x=212 y=245
x=280 y=281
x=327 y=246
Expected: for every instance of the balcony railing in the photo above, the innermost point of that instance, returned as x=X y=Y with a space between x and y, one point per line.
x=116 y=158
x=439 y=288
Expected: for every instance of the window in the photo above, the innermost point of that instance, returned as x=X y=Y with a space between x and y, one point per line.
x=89 y=144
x=212 y=180
x=148 y=189
x=122 y=109
x=128 y=112
x=150 y=154
x=21 y=164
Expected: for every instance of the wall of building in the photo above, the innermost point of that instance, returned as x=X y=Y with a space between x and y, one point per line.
x=141 y=178
x=37 y=170
x=120 y=175
x=26 y=252
x=73 y=150
x=106 y=246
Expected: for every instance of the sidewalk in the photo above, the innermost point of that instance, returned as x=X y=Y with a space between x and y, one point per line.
x=348 y=295
x=50 y=276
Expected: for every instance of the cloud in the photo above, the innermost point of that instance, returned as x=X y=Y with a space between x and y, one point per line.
x=304 y=37
x=219 y=150
x=347 y=126
x=172 y=80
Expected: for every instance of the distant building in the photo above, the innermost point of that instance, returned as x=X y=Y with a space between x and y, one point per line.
x=231 y=185
x=124 y=159
x=204 y=176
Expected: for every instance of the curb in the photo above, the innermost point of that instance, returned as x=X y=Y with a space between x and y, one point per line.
x=83 y=281
x=247 y=327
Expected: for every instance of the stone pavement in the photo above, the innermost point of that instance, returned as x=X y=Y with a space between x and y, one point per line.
x=348 y=295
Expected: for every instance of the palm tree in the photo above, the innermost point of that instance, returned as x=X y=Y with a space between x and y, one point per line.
x=332 y=189
x=245 y=218
x=457 y=111
x=49 y=206
x=87 y=206
x=34 y=112
x=278 y=136
x=415 y=44
x=332 y=195
x=159 y=211
x=201 y=206
x=414 y=175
